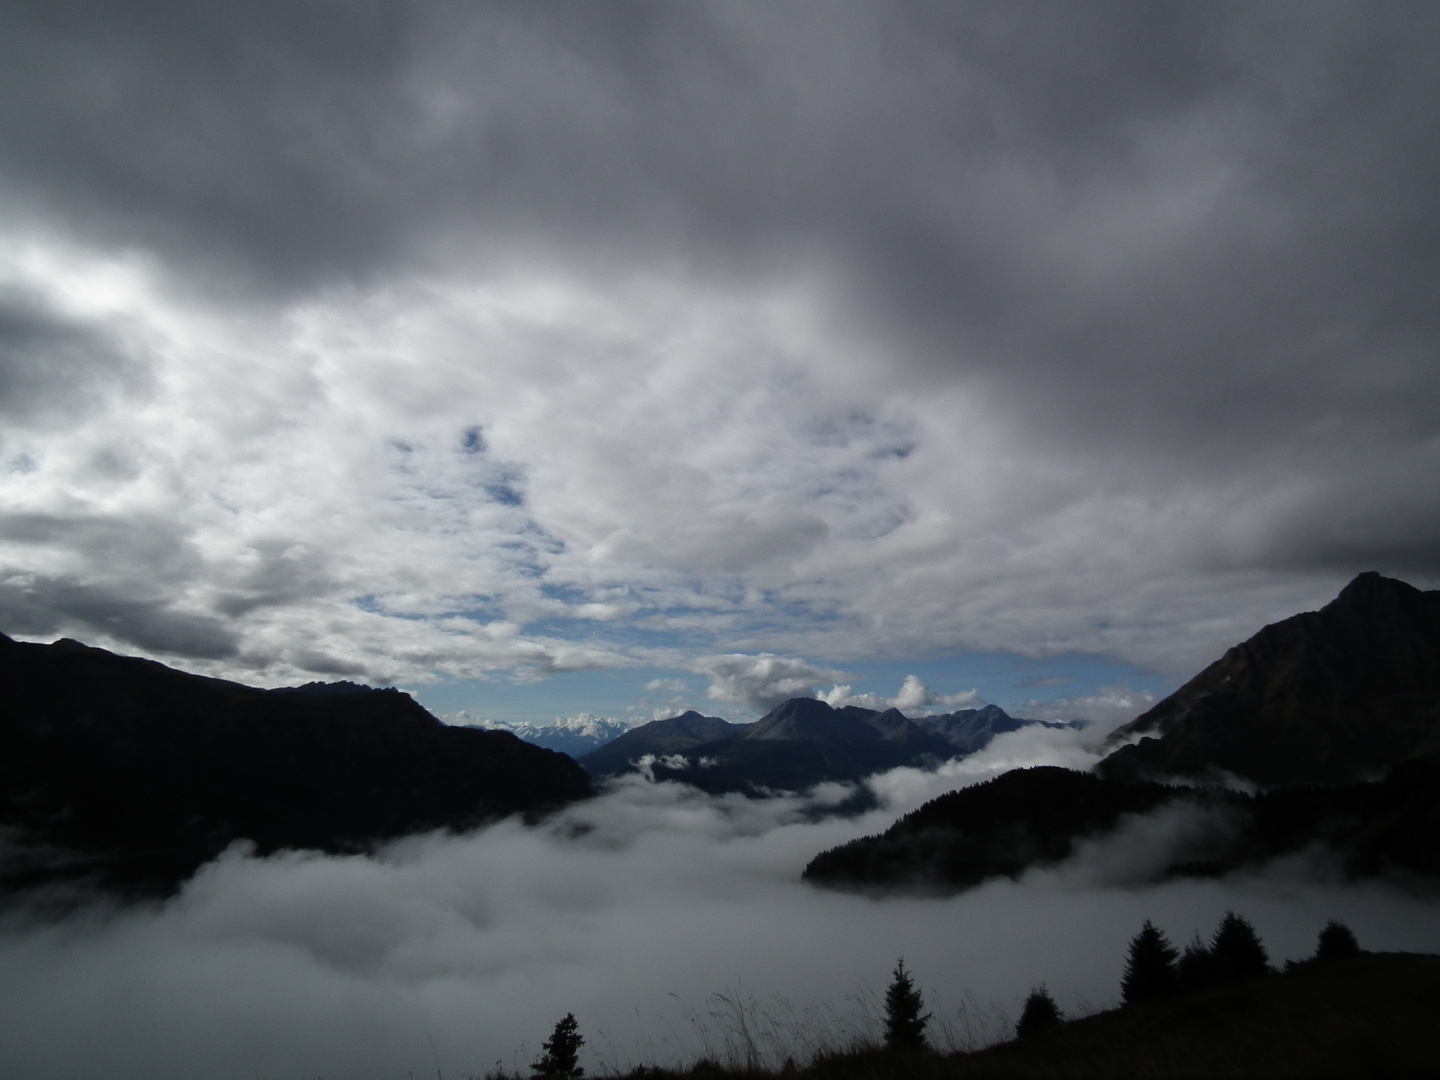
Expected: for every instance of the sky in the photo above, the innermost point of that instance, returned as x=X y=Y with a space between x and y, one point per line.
x=663 y=918
x=615 y=358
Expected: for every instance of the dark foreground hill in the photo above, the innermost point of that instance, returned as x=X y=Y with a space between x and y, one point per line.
x=1036 y=817
x=1324 y=697
x=1368 y=1016
x=798 y=744
x=129 y=774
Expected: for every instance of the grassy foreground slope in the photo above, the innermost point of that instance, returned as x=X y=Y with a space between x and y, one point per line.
x=1375 y=1015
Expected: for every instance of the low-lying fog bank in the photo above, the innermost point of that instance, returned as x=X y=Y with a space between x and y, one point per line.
x=633 y=911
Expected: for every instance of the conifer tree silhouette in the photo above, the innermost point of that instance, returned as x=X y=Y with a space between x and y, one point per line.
x=1040 y=1014
x=904 y=1026
x=1337 y=941
x=562 y=1051
x=1236 y=950
x=1150 y=967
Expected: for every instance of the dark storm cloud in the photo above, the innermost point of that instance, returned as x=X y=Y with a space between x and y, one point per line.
x=230 y=130
x=1203 y=229
x=1186 y=257
x=52 y=366
x=1021 y=190
x=40 y=606
x=301 y=142
x=137 y=545
x=126 y=594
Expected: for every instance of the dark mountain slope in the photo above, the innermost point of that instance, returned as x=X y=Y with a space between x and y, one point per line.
x=1308 y=705
x=141 y=773
x=659 y=738
x=1031 y=817
x=1323 y=697
x=997 y=828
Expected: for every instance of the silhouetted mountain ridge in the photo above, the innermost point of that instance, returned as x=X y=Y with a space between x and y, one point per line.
x=342 y=688
x=1037 y=816
x=1324 y=697
x=139 y=773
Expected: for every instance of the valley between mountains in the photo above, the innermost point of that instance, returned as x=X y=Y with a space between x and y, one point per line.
x=1320 y=734
x=369 y=887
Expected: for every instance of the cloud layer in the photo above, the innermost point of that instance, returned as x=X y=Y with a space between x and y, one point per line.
x=405 y=341
x=640 y=912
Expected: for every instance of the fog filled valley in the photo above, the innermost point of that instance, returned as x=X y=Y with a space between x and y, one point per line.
x=657 y=914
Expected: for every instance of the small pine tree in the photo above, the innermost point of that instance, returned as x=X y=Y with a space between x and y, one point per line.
x=562 y=1051
x=1337 y=942
x=1237 y=950
x=1196 y=969
x=1040 y=1014
x=1150 y=967
x=904 y=1026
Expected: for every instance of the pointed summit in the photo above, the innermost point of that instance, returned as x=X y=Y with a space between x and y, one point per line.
x=812 y=720
x=1328 y=697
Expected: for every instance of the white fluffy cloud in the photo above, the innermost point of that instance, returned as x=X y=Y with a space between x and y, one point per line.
x=914 y=697
x=1110 y=707
x=759 y=682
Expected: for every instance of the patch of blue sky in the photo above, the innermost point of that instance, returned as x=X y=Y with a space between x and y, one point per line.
x=375 y=605
x=472 y=440
x=506 y=492
x=617 y=694
x=483 y=610
x=566 y=594
x=523 y=558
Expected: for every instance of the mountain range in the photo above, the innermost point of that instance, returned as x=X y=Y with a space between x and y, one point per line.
x=124 y=773
x=573 y=735
x=129 y=774
x=796 y=745
x=1334 y=714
